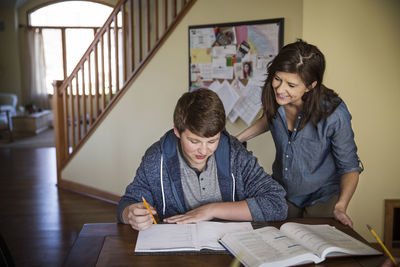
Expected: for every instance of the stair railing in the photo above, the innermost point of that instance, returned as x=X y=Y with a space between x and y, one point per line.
x=120 y=49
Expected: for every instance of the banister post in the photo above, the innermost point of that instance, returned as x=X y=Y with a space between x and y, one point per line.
x=59 y=136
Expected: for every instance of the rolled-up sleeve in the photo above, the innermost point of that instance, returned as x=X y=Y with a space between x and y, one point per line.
x=344 y=148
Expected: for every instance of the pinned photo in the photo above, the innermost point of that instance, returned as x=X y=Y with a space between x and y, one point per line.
x=247 y=69
x=243 y=49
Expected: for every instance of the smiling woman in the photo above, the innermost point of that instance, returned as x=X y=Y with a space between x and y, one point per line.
x=316 y=160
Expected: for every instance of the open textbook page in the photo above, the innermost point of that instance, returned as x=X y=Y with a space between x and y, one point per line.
x=292 y=245
x=326 y=240
x=186 y=237
x=266 y=245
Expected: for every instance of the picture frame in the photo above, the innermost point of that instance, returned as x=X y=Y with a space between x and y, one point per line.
x=392 y=225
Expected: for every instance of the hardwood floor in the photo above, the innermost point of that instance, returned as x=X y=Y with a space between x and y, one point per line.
x=38 y=221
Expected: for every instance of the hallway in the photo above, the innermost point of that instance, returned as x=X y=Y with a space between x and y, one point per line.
x=38 y=221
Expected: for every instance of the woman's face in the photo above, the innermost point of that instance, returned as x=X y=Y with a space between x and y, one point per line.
x=289 y=88
x=197 y=149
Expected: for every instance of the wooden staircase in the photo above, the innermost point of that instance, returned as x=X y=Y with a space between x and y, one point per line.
x=120 y=50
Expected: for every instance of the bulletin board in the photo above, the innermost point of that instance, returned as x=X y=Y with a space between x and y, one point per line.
x=231 y=59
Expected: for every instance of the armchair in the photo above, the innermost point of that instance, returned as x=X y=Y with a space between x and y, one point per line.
x=8 y=104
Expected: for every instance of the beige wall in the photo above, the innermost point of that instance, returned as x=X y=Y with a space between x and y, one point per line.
x=360 y=40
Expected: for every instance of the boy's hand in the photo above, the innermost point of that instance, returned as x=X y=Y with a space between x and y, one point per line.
x=138 y=216
x=203 y=213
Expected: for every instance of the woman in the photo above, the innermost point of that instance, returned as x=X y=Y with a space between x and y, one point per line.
x=316 y=156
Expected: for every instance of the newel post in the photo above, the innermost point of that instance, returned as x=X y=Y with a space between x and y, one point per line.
x=59 y=127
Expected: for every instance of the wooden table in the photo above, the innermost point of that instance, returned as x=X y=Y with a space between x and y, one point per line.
x=112 y=244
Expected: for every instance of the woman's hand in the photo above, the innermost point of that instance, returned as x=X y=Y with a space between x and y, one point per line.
x=348 y=185
x=341 y=216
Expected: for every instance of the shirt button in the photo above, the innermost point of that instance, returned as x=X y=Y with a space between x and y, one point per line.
x=294 y=129
x=204 y=188
x=289 y=142
x=201 y=179
x=287 y=156
x=285 y=169
x=299 y=117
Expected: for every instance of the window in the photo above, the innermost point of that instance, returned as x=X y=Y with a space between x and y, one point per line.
x=77 y=22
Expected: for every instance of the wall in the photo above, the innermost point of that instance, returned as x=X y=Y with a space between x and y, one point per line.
x=110 y=157
x=361 y=41
x=9 y=54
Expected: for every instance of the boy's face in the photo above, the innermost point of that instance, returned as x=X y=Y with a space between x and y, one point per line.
x=197 y=149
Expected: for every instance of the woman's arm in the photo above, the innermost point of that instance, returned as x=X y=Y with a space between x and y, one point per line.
x=347 y=162
x=348 y=184
x=259 y=127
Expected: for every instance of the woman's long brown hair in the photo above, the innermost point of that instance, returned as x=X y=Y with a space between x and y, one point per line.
x=308 y=62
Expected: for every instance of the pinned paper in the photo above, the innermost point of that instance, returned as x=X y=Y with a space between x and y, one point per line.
x=227 y=94
x=250 y=104
x=241 y=34
x=201 y=55
x=202 y=38
x=223 y=51
x=263 y=39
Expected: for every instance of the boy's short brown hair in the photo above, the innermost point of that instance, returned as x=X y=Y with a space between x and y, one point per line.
x=201 y=112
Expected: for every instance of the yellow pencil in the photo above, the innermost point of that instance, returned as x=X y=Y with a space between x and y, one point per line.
x=148 y=208
x=382 y=245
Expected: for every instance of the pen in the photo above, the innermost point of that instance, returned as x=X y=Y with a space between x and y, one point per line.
x=148 y=208
x=382 y=245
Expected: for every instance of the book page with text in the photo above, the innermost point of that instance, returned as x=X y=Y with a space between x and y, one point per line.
x=210 y=232
x=167 y=237
x=268 y=246
x=324 y=239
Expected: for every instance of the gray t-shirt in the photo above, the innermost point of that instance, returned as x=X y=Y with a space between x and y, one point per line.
x=199 y=189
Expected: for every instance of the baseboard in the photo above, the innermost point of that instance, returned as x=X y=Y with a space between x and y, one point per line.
x=88 y=191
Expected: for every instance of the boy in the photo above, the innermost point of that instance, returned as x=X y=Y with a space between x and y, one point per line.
x=197 y=172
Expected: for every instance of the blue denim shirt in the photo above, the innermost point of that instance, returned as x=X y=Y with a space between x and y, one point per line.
x=310 y=162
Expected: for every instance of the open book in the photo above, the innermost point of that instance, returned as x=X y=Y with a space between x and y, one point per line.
x=186 y=237
x=293 y=244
